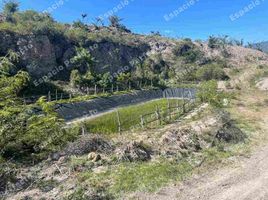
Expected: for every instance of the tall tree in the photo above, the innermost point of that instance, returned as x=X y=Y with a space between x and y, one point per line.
x=115 y=21
x=83 y=60
x=10 y=7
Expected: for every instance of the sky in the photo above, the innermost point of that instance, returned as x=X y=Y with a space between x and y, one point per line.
x=196 y=19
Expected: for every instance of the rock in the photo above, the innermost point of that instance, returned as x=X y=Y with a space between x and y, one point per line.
x=94 y=157
x=133 y=151
x=55 y=156
x=230 y=133
x=263 y=84
x=97 y=158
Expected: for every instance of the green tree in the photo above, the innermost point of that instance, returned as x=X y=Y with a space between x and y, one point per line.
x=8 y=63
x=123 y=79
x=89 y=79
x=83 y=60
x=28 y=135
x=76 y=78
x=10 y=87
x=10 y=7
x=149 y=73
x=105 y=80
x=115 y=21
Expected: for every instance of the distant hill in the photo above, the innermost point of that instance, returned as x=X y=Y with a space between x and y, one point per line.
x=262 y=45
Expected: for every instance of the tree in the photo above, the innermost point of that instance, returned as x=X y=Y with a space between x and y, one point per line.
x=7 y=63
x=10 y=87
x=214 y=42
x=115 y=21
x=25 y=134
x=99 y=21
x=83 y=60
x=139 y=74
x=84 y=16
x=75 y=78
x=88 y=79
x=10 y=7
x=124 y=79
x=105 y=80
x=149 y=73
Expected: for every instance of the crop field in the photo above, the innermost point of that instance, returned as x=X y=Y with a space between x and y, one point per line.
x=131 y=117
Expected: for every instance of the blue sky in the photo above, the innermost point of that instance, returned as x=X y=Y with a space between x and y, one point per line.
x=197 y=21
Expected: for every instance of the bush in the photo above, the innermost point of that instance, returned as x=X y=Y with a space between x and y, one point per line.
x=208 y=92
x=27 y=135
x=210 y=72
x=188 y=50
x=76 y=78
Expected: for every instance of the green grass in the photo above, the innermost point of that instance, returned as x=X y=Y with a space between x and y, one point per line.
x=130 y=116
x=126 y=178
x=131 y=177
x=261 y=73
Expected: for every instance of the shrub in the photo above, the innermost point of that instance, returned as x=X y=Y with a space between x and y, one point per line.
x=188 y=50
x=216 y=42
x=210 y=72
x=27 y=135
x=77 y=34
x=75 y=78
x=208 y=93
x=10 y=7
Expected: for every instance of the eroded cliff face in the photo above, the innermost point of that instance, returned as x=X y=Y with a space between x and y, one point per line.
x=37 y=53
x=40 y=55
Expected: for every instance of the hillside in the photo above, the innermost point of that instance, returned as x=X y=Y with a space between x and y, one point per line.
x=90 y=111
x=47 y=50
x=261 y=46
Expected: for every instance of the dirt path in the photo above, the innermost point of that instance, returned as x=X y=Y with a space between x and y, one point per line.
x=246 y=179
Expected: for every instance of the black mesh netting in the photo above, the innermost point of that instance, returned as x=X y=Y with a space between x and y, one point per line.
x=71 y=111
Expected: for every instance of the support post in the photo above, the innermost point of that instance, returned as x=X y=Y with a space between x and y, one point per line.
x=49 y=96
x=169 y=111
x=178 y=105
x=157 y=113
x=83 y=129
x=95 y=90
x=142 y=122
x=24 y=100
x=118 y=121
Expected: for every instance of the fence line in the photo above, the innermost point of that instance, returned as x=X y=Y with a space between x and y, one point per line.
x=167 y=115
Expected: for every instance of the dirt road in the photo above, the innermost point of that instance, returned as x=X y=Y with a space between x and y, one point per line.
x=246 y=179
